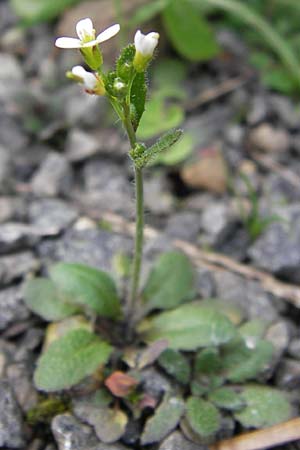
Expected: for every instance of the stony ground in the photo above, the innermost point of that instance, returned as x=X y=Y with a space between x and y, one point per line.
x=63 y=164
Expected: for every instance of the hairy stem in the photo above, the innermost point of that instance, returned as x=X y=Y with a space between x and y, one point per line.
x=139 y=228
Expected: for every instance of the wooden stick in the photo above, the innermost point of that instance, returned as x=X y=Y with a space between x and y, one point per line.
x=266 y=438
x=216 y=261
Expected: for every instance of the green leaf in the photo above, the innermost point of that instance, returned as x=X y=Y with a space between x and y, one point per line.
x=33 y=11
x=125 y=61
x=269 y=34
x=171 y=281
x=146 y=12
x=242 y=363
x=170 y=71
x=189 y=327
x=265 y=407
x=191 y=37
x=138 y=98
x=165 y=419
x=44 y=299
x=159 y=117
x=202 y=416
x=177 y=153
x=87 y=286
x=70 y=359
x=176 y=365
x=208 y=361
x=164 y=144
x=227 y=398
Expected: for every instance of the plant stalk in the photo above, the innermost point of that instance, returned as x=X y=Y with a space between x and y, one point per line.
x=139 y=228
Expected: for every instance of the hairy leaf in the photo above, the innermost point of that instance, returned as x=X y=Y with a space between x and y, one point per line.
x=227 y=398
x=176 y=365
x=265 y=407
x=138 y=98
x=171 y=280
x=165 y=419
x=202 y=416
x=44 y=299
x=189 y=327
x=87 y=286
x=70 y=359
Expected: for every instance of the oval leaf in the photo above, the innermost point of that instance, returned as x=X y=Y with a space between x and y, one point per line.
x=202 y=416
x=43 y=298
x=70 y=359
x=170 y=282
x=176 y=365
x=186 y=35
x=189 y=327
x=165 y=419
x=88 y=286
x=265 y=407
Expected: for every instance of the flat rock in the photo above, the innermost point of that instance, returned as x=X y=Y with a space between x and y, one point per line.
x=80 y=145
x=71 y=434
x=217 y=222
x=176 y=441
x=11 y=208
x=277 y=250
x=54 y=176
x=94 y=247
x=288 y=374
x=16 y=265
x=12 y=308
x=11 y=426
x=246 y=295
x=16 y=236
x=51 y=216
x=184 y=225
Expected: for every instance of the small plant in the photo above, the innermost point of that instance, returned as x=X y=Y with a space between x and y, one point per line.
x=253 y=221
x=105 y=343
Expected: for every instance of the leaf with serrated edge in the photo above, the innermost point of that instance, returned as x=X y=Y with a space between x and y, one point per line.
x=43 y=298
x=189 y=327
x=70 y=359
x=165 y=419
x=164 y=143
x=170 y=283
x=87 y=286
x=202 y=416
x=266 y=406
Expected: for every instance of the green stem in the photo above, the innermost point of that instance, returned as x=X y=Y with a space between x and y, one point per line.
x=139 y=227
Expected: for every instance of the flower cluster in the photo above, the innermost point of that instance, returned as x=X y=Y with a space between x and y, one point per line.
x=88 y=44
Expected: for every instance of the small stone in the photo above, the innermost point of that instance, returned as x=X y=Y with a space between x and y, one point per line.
x=288 y=374
x=234 y=135
x=217 y=222
x=70 y=434
x=294 y=348
x=12 y=208
x=10 y=69
x=5 y=169
x=154 y=384
x=208 y=172
x=15 y=236
x=94 y=247
x=53 y=176
x=12 y=135
x=80 y=145
x=11 y=426
x=158 y=198
x=12 y=308
x=277 y=250
x=279 y=335
x=285 y=110
x=269 y=139
x=184 y=225
x=20 y=377
x=245 y=294
x=16 y=265
x=258 y=109
x=176 y=441
x=205 y=283
x=51 y=216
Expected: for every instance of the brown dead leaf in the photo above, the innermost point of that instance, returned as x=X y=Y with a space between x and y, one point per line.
x=120 y=384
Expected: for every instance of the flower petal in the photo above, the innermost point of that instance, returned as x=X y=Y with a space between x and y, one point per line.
x=78 y=71
x=84 y=29
x=90 y=43
x=146 y=43
x=67 y=42
x=108 y=33
x=89 y=79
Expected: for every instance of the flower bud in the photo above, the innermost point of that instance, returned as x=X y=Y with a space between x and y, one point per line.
x=145 y=46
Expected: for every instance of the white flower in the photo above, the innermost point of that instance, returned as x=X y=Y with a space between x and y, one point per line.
x=145 y=44
x=87 y=36
x=88 y=79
